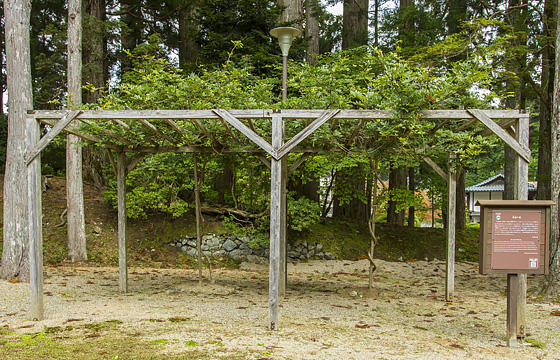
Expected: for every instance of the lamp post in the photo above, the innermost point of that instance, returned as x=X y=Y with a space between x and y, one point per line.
x=285 y=36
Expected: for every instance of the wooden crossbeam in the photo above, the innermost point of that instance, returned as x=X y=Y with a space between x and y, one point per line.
x=436 y=167
x=150 y=126
x=300 y=160
x=521 y=150
x=133 y=115
x=110 y=134
x=55 y=130
x=84 y=136
x=244 y=129
x=504 y=124
x=207 y=133
x=355 y=133
x=293 y=142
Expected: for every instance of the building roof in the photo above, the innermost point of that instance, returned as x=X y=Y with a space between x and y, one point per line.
x=493 y=184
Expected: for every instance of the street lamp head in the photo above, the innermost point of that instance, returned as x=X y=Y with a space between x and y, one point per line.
x=285 y=36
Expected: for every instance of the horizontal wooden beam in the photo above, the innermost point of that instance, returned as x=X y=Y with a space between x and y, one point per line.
x=267 y=114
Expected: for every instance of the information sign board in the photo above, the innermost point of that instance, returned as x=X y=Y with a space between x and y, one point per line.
x=514 y=236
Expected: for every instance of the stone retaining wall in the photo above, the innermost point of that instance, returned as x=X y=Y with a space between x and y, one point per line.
x=239 y=248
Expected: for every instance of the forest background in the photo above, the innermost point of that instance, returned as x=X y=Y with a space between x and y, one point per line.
x=407 y=56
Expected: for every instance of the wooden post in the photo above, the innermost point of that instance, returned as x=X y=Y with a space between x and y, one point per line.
x=372 y=225
x=283 y=277
x=521 y=193
x=74 y=184
x=197 y=210
x=35 y=217
x=121 y=191
x=275 y=222
x=451 y=203
x=512 y=301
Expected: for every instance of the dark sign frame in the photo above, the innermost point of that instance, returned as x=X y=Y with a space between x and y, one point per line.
x=514 y=236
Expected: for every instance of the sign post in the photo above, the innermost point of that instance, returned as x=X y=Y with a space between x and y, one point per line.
x=514 y=239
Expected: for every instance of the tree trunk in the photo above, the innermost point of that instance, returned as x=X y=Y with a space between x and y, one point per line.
x=348 y=194
x=311 y=31
x=131 y=32
x=461 y=206
x=292 y=13
x=224 y=182
x=188 y=27
x=93 y=48
x=547 y=88
x=355 y=23
x=411 y=187
x=551 y=284
x=397 y=180
x=376 y=23
x=309 y=189
x=15 y=255
x=456 y=15
x=74 y=185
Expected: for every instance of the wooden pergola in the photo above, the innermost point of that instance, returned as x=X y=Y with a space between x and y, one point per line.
x=187 y=131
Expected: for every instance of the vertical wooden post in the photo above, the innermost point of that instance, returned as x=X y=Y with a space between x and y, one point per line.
x=121 y=192
x=521 y=193
x=512 y=302
x=275 y=221
x=451 y=204
x=74 y=184
x=197 y=210
x=34 y=211
x=283 y=277
x=372 y=225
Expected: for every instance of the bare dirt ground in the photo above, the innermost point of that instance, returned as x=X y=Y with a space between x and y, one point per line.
x=328 y=313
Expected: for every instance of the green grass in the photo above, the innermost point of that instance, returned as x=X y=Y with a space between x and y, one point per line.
x=86 y=343
x=350 y=241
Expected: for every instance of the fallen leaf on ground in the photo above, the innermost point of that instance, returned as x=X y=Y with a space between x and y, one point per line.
x=555 y=312
x=27 y=326
x=343 y=306
x=14 y=281
x=93 y=335
x=362 y=326
x=71 y=320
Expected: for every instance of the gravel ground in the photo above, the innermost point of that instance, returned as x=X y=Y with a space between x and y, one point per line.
x=328 y=312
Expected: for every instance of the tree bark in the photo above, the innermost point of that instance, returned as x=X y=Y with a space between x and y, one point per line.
x=461 y=206
x=93 y=44
x=188 y=27
x=131 y=32
x=15 y=255
x=74 y=186
x=547 y=88
x=551 y=283
x=348 y=192
x=311 y=31
x=224 y=182
x=456 y=15
x=397 y=180
x=355 y=23
x=411 y=187
x=292 y=14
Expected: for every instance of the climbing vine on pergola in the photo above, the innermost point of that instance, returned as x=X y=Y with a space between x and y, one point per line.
x=268 y=133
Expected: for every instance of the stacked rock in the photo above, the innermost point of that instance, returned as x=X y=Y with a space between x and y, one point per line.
x=245 y=249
